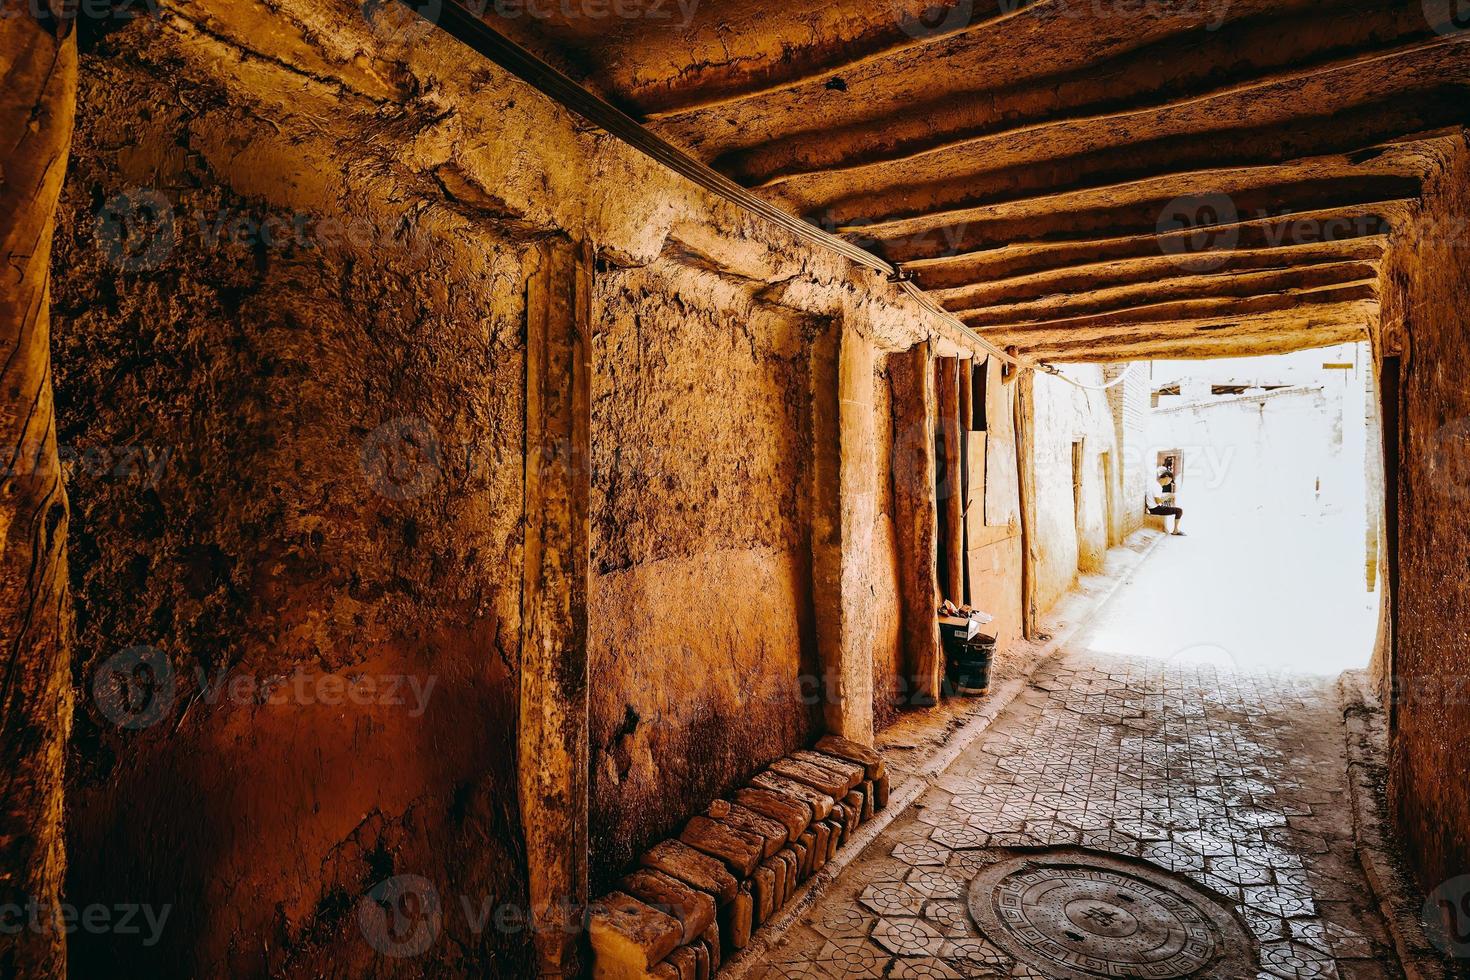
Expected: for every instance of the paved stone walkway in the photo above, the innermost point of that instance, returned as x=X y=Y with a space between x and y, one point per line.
x=1220 y=798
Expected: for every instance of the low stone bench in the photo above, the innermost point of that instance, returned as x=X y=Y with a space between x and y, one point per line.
x=1161 y=522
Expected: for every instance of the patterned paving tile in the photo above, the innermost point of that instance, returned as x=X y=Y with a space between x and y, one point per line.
x=889 y=898
x=838 y=920
x=1233 y=781
x=919 y=852
x=1280 y=901
x=951 y=918
x=844 y=958
x=924 y=969
x=908 y=937
x=938 y=882
x=1297 y=961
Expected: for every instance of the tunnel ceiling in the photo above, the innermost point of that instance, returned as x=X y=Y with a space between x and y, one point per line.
x=1044 y=168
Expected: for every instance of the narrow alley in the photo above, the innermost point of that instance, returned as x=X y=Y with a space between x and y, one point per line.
x=1023 y=858
x=704 y=489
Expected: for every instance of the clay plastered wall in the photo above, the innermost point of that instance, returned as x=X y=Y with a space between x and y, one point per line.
x=993 y=514
x=1065 y=414
x=1427 y=291
x=345 y=206
x=701 y=605
x=295 y=489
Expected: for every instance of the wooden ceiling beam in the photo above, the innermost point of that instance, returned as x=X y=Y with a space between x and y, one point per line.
x=1239 y=58
x=1257 y=235
x=1336 y=140
x=1343 y=326
x=1230 y=285
x=959 y=234
x=1207 y=310
x=989 y=291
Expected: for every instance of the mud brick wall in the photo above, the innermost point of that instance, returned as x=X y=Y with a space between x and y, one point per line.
x=295 y=483
x=1426 y=287
x=290 y=282
x=701 y=613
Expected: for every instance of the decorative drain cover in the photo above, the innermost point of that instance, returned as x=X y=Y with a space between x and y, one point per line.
x=1078 y=916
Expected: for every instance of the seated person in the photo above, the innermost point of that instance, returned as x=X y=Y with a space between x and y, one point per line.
x=1152 y=505
x=1166 y=475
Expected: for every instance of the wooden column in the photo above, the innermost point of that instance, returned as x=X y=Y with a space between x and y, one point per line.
x=38 y=62
x=553 y=759
x=1026 y=473
x=964 y=420
x=843 y=464
x=911 y=376
x=826 y=529
x=951 y=489
x=1390 y=378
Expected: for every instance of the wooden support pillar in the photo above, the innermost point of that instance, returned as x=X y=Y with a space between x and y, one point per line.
x=553 y=751
x=1390 y=376
x=826 y=529
x=964 y=420
x=911 y=376
x=951 y=486
x=38 y=66
x=1026 y=473
x=843 y=364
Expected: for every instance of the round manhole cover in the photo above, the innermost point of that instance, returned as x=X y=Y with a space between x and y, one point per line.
x=1077 y=916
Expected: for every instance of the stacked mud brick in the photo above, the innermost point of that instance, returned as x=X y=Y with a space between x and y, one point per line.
x=697 y=898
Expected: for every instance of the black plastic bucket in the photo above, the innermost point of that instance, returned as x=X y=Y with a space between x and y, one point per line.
x=969 y=665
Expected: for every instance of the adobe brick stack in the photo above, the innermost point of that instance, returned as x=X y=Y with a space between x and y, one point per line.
x=697 y=898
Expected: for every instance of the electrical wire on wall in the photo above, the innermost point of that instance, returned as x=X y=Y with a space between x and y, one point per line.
x=1056 y=372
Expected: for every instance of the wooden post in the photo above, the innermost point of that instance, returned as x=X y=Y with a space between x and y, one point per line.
x=966 y=419
x=843 y=463
x=911 y=376
x=1026 y=473
x=38 y=62
x=1390 y=405
x=951 y=494
x=826 y=511
x=553 y=751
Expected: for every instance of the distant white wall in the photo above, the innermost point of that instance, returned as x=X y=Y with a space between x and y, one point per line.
x=1064 y=415
x=1294 y=452
x=1129 y=402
